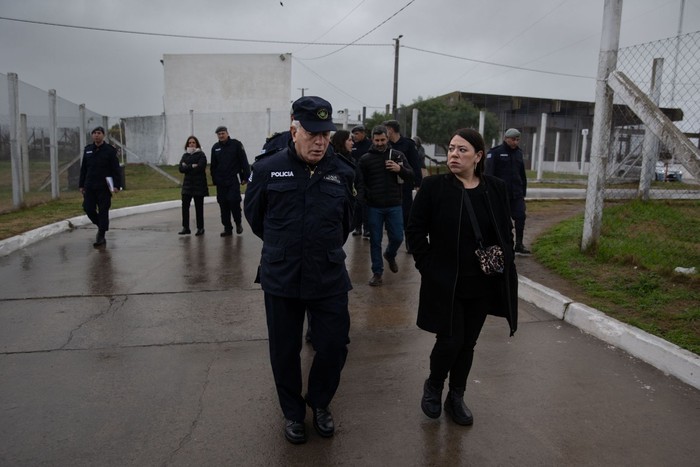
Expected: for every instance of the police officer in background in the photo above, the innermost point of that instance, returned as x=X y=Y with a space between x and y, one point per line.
x=229 y=170
x=100 y=165
x=505 y=161
x=299 y=202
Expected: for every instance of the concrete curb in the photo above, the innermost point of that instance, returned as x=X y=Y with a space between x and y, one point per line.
x=655 y=351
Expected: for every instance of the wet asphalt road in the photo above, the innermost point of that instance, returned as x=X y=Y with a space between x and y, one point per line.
x=153 y=351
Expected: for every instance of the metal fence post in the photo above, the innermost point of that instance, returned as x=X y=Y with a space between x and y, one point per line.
x=414 y=123
x=556 y=152
x=584 y=147
x=53 y=144
x=24 y=150
x=15 y=156
x=600 y=144
x=540 y=149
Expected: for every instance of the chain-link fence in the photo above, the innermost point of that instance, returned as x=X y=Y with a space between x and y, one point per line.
x=35 y=145
x=668 y=72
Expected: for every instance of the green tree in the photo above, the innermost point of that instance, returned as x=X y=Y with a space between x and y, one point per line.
x=437 y=120
x=376 y=119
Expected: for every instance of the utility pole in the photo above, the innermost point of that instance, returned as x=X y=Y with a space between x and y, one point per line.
x=302 y=91
x=396 y=75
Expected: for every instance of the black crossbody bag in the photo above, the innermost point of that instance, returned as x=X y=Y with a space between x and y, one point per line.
x=490 y=258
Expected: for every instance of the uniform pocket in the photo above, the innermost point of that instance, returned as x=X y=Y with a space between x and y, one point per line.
x=272 y=254
x=337 y=256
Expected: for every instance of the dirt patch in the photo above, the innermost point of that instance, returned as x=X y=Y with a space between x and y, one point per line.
x=541 y=215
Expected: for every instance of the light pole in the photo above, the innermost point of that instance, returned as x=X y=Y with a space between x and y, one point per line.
x=396 y=74
x=302 y=91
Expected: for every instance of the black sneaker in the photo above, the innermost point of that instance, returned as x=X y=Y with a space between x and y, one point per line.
x=356 y=232
x=393 y=267
x=521 y=250
x=239 y=228
x=376 y=280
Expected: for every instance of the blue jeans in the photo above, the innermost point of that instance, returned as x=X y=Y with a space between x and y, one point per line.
x=376 y=219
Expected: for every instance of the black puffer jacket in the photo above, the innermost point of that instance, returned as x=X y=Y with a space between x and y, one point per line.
x=377 y=186
x=195 y=180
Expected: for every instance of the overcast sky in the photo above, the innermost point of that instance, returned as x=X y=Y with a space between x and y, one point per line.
x=342 y=51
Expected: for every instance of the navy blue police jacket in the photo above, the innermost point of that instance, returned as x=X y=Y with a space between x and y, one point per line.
x=507 y=163
x=98 y=163
x=303 y=218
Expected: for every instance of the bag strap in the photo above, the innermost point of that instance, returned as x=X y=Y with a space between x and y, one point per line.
x=472 y=217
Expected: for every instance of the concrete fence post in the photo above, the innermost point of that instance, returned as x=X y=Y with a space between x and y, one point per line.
x=602 y=117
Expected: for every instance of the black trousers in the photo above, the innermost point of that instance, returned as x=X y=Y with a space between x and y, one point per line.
x=229 y=199
x=517 y=213
x=198 y=211
x=330 y=320
x=454 y=354
x=96 y=204
x=359 y=220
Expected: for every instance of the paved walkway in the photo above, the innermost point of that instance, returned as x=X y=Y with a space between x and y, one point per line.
x=153 y=352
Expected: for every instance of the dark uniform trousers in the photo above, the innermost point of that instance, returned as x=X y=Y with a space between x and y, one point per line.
x=96 y=204
x=229 y=199
x=330 y=321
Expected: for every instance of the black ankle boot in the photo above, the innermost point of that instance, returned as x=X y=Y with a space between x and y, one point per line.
x=99 y=238
x=431 y=401
x=455 y=406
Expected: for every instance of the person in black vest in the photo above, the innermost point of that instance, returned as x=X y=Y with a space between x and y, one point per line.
x=194 y=185
x=229 y=170
x=299 y=202
x=100 y=177
x=381 y=174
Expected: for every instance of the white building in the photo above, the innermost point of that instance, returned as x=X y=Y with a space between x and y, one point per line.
x=248 y=93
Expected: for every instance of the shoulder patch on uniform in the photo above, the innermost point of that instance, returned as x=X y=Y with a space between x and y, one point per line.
x=268 y=153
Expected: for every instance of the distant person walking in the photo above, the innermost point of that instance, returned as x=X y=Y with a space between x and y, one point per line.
x=360 y=147
x=229 y=170
x=299 y=202
x=382 y=173
x=455 y=294
x=505 y=161
x=194 y=184
x=408 y=147
x=100 y=177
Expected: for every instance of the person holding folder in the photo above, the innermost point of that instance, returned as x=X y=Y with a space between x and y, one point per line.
x=100 y=177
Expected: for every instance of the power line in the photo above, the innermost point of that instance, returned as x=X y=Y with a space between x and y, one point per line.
x=364 y=35
x=484 y=62
x=184 y=36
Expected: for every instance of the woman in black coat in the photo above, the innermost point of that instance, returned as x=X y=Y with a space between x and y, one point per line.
x=194 y=185
x=455 y=294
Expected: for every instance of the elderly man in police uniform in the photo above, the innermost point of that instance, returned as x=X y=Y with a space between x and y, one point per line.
x=299 y=202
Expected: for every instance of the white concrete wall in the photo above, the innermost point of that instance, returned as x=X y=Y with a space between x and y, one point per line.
x=144 y=138
x=234 y=90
